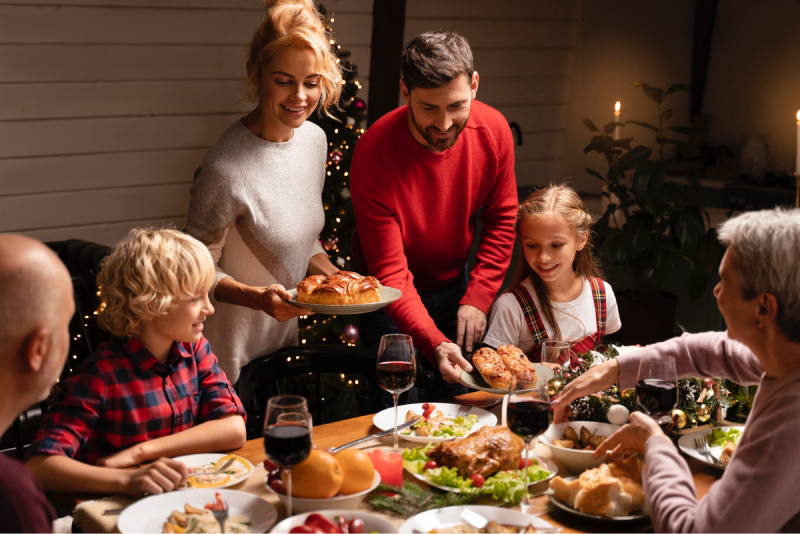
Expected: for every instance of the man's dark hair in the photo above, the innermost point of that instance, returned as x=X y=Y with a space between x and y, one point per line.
x=434 y=59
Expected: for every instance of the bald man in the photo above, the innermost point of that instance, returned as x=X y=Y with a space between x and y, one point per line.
x=36 y=306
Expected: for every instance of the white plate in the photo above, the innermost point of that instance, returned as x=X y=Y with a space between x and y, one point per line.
x=639 y=514
x=198 y=460
x=686 y=444
x=388 y=295
x=450 y=516
x=385 y=419
x=543 y=462
x=474 y=380
x=372 y=522
x=150 y=514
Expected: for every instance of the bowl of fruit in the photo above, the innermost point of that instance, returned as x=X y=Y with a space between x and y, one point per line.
x=325 y=481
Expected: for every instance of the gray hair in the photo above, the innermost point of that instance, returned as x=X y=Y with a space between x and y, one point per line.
x=767 y=245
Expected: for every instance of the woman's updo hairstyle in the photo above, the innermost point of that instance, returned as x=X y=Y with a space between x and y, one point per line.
x=295 y=23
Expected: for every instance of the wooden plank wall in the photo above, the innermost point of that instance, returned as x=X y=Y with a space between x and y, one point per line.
x=524 y=52
x=107 y=106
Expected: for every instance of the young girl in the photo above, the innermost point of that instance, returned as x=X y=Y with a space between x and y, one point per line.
x=558 y=294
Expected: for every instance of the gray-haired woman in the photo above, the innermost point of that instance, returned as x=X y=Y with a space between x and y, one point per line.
x=759 y=297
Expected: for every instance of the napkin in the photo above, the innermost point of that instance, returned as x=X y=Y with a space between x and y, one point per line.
x=89 y=514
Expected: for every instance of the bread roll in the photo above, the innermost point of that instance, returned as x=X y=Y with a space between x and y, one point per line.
x=517 y=363
x=490 y=366
x=340 y=288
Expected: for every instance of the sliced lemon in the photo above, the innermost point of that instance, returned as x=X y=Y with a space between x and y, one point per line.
x=239 y=459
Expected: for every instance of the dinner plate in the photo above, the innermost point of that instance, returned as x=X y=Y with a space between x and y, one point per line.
x=150 y=514
x=388 y=295
x=474 y=379
x=385 y=419
x=686 y=444
x=198 y=460
x=544 y=462
x=372 y=522
x=639 y=514
x=450 y=516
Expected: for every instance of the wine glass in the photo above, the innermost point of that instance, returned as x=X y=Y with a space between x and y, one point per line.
x=397 y=369
x=556 y=352
x=287 y=436
x=657 y=386
x=528 y=416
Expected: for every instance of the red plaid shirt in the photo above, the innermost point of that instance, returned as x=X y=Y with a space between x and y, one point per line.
x=122 y=396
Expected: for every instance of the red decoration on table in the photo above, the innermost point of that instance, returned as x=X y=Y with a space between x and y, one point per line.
x=577 y=363
x=351 y=333
x=389 y=467
x=709 y=382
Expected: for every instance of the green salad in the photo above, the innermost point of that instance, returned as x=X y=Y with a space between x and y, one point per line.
x=442 y=427
x=505 y=486
x=719 y=437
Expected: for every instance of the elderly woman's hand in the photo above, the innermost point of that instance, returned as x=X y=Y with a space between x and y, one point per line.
x=631 y=438
x=596 y=379
x=273 y=300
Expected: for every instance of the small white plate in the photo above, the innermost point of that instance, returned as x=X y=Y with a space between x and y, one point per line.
x=451 y=516
x=543 y=462
x=686 y=444
x=372 y=522
x=199 y=460
x=388 y=295
x=474 y=380
x=385 y=419
x=150 y=514
x=639 y=514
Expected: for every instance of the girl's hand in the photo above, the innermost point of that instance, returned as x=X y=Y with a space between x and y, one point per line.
x=550 y=365
x=272 y=300
x=631 y=438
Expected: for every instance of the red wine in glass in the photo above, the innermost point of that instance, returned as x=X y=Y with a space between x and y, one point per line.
x=287 y=445
x=396 y=377
x=528 y=419
x=656 y=396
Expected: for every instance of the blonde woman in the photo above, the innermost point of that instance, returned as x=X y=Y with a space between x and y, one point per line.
x=256 y=201
x=154 y=390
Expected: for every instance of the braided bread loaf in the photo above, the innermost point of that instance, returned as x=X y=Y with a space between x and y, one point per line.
x=340 y=288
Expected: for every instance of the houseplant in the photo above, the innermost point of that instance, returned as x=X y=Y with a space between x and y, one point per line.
x=652 y=225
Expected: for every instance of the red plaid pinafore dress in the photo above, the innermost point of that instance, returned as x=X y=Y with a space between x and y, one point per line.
x=537 y=328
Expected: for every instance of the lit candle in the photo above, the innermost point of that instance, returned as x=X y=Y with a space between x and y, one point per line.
x=797 y=165
x=616 y=119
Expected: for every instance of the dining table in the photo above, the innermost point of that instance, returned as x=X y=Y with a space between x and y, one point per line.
x=341 y=432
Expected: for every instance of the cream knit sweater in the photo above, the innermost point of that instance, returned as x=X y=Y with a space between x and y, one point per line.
x=257 y=205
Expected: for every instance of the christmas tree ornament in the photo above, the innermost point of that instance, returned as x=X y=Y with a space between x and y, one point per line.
x=567 y=376
x=709 y=382
x=345 y=193
x=340 y=261
x=618 y=414
x=351 y=333
x=335 y=157
x=703 y=413
x=359 y=105
x=351 y=121
x=679 y=416
x=577 y=363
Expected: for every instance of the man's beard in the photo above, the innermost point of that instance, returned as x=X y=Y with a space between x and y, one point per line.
x=438 y=145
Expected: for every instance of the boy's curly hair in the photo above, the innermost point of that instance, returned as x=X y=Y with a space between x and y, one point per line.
x=145 y=273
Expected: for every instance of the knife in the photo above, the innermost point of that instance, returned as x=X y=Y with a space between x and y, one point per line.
x=373 y=436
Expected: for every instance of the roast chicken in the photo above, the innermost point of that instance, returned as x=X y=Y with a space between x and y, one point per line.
x=485 y=452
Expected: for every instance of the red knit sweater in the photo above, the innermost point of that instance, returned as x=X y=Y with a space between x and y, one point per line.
x=416 y=214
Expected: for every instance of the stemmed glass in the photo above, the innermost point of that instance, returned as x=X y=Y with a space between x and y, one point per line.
x=397 y=369
x=657 y=386
x=556 y=352
x=528 y=416
x=287 y=435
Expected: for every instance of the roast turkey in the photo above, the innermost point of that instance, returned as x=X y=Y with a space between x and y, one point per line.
x=485 y=452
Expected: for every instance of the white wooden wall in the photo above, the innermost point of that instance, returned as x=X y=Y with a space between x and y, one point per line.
x=524 y=52
x=107 y=106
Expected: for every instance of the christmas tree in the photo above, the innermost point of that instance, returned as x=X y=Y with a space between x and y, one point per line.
x=342 y=131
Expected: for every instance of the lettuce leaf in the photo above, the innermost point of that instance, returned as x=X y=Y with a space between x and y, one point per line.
x=719 y=437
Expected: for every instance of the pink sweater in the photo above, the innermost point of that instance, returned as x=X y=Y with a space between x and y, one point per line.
x=757 y=492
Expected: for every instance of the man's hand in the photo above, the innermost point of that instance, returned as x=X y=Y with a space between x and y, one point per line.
x=631 y=438
x=272 y=300
x=450 y=362
x=596 y=379
x=124 y=458
x=471 y=326
x=159 y=477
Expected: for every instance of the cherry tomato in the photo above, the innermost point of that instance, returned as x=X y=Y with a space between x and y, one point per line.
x=322 y=523
x=522 y=462
x=477 y=480
x=270 y=467
x=277 y=486
x=342 y=522
x=305 y=529
x=430 y=464
x=356 y=526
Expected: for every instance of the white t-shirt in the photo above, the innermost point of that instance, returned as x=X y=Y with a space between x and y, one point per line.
x=577 y=319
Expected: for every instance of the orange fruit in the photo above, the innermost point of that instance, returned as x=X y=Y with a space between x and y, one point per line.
x=317 y=477
x=358 y=471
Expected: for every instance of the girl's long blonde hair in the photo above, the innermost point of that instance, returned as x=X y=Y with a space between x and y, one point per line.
x=295 y=23
x=563 y=202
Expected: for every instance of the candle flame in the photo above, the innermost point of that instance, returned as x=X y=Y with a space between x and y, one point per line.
x=617 y=106
x=798 y=115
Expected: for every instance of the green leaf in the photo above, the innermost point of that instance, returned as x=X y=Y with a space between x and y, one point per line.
x=597 y=146
x=637 y=236
x=653 y=93
x=635 y=157
x=622 y=143
x=611 y=126
x=690 y=230
x=590 y=125
x=601 y=226
x=666 y=115
x=676 y=87
x=647 y=181
x=643 y=125
x=595 y=174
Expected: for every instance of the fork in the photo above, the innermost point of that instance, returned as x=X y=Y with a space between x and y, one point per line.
x=701 y=446
x=220 y=510
x=463 y=410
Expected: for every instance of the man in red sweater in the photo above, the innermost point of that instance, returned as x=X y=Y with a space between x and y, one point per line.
x=421 y=177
